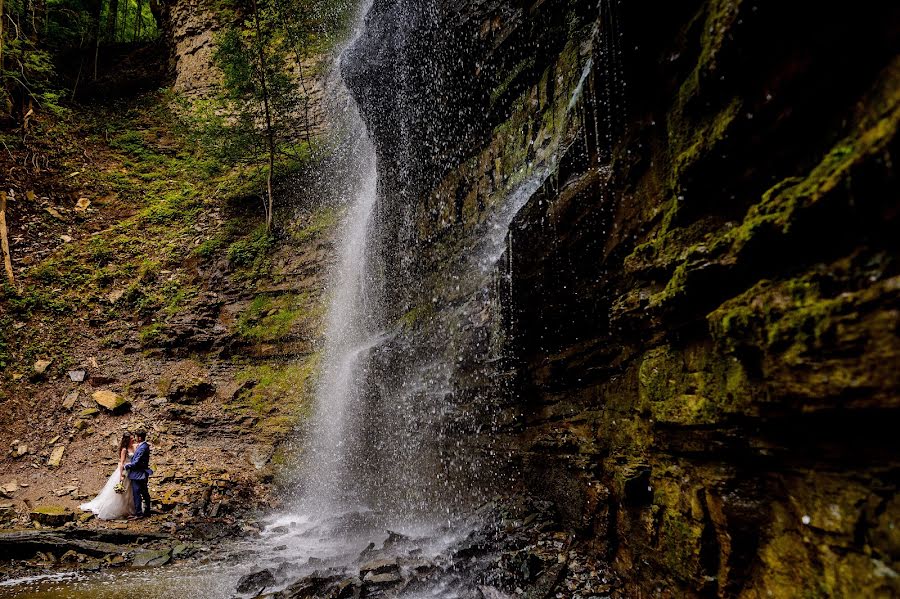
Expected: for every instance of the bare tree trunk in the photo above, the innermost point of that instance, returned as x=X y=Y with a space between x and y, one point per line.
x=137 y=21
x=1 y=39
x=124 y=19
x=112 y=20
x=270 y=133
x=96 y=11
x=4 y=241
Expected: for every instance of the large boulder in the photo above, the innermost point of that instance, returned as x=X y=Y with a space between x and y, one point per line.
x=51 y=515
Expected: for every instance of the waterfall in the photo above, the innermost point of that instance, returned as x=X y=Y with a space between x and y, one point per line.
x=325 y=480
x=390 y=444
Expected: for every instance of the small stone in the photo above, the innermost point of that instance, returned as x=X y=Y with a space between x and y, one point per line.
x=77 y=376
x=41 y=366
x=66 y=238
x=70 y=399
x=111 y=401
x=182 y=550
x=87 y=413
x=21 y=450
x=56 y=456
x=115 y=296
x=7 y=512
x=79 y=424
x=82 y=204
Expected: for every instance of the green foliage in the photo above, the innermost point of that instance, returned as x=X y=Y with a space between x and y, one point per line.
x=210 y=247
x=264 y=105
x=270 y=319
x=151 y=333
x=252 y=250
x=322 y=221
x=278 y=395
x=35 y=34
x=32 y=299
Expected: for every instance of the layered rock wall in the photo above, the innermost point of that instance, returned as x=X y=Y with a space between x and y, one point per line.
x=690 y=341
x=190 y=28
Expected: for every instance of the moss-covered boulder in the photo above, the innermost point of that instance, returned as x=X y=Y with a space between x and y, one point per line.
x=51 y=515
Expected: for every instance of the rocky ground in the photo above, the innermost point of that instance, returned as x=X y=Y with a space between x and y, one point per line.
x=515 y=549
x=148 y=296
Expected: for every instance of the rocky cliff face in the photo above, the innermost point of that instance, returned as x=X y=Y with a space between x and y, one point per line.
x=190 y=27
x=690 y=340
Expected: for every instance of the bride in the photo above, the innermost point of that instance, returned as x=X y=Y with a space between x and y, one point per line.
x=109 y=505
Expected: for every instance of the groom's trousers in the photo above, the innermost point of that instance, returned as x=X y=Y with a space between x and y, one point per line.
x=141 y=494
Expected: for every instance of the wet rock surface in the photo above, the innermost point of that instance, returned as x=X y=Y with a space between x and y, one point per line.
x=693 y=320
x=516 y=549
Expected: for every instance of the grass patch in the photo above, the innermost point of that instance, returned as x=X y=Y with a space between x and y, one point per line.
x=270 y=319
x=320 y=222
x=280 y=395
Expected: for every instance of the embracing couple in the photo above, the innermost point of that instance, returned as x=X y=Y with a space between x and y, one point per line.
x=126 y=492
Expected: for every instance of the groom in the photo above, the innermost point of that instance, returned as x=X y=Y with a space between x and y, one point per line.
x=138 y=473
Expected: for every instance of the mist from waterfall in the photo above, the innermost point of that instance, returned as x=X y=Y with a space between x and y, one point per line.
x=325 y=486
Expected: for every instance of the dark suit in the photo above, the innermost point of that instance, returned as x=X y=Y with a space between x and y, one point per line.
x=138 y=473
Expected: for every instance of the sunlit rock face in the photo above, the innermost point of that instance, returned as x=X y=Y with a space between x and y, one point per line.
x=190 y=28
x=652 y=246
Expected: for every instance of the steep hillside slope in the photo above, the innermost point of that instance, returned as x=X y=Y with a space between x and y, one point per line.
x=145 y=277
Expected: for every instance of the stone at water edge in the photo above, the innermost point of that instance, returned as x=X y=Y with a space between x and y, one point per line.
x=111 y=401
x=151 y=558
x=183 y=550
x=379 y=566
x=56 y=456
x=386 y=578
x=493 y=593
x=51 y=515
x=255 y=582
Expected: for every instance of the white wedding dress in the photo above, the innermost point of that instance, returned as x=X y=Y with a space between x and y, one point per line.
x=109 y=505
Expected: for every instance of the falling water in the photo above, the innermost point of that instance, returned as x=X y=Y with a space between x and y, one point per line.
x=349 y=338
